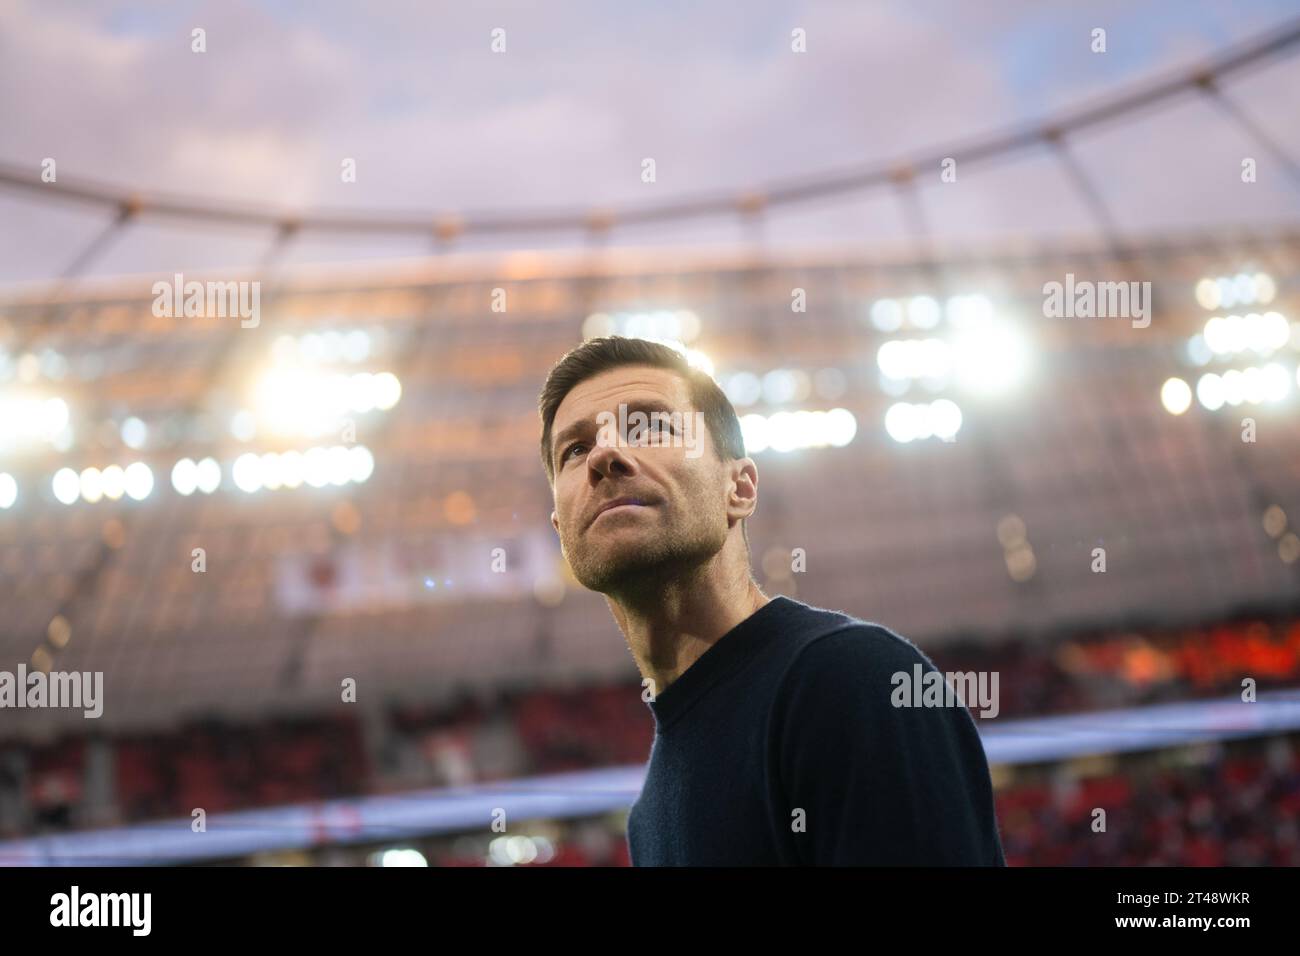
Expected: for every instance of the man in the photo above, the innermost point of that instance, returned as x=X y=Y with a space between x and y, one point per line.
x=776 y=741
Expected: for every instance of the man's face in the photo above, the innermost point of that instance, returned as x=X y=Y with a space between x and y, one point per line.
x=681 y=518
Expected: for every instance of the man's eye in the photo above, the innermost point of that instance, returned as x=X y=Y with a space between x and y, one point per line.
x=569 y=451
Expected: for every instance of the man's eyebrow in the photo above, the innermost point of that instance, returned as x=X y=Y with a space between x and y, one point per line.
x=646 y=405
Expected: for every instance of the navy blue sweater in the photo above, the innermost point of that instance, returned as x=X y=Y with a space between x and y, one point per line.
x=780 y=746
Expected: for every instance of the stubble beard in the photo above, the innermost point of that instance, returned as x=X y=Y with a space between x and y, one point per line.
x=630 y=564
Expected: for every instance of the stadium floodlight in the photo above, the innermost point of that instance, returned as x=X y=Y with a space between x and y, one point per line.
x=755 y=431
x=388 y=391
x=944 y=419
x=291 y=469
x=1175 y=396
x=967 y=311
x=315 y=467
x=271 y=471
x=902 y=422
x=113 y=482
x=841 y=426
x=243 y=425
x=923 y=311
x=780 y=386
x=743 y=388
x=247 y=472
x=8 y=490
x=338 y=465
x=1227 y=292
x=1265 y=288
x=1207 y=294
x=361 y=463
x=887 y=315
x=208 y=475
x=185 y=477
x=1209 y=391
x=400 y=857
x=92 y=486
x=1234 y=387
x=66 y=486
x=134 y=433
x=1276 y=382
x=139 y=481
x=991 y=360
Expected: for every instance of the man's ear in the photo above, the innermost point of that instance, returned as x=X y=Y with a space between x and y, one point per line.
x=744 y=493
x=555 y=522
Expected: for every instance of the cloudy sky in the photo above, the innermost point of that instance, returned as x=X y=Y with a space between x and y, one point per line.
x=438 y=123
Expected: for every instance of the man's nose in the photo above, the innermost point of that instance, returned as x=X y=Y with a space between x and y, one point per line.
x=610 y=460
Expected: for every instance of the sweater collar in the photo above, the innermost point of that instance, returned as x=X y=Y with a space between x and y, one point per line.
x=740 y=644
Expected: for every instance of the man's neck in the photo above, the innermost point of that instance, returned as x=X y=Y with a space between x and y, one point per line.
x=670 y=630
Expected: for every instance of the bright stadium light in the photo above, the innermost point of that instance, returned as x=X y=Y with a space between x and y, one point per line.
x=338 y=466
x=1276 y=382
x=185 y=477
x=302 y=401
x=923 y=312
x=656 y=325
x=243 y=425
x=783 y=432
x=841 y=426
x=755 y=431
x=291 y=469
x=1276 y=330
x=991 y=360
x=247 y=472
x=27 y=420
x=66 y=486
x=1234 y=387
x=1198 y=351
x=902 y=422
x=1209 y=391
x=1227 y=293
x=782 y=385
x=134 y=433
x=361 y=463
x=361 y=392
x=1207 y=294
x=356 y=346
x=944 y=419
x=8 y=490
x=743 y=388
x=1265 y=288
x=139 y=481
x=270 y=471
x=1243 y=287
x=113 y=482
x=315 y=467
x=1175 y=396
x=208 y=475
x=401 y=857
x=887 y=315
x=92 y=485
x=388 y=390
x=966 y=311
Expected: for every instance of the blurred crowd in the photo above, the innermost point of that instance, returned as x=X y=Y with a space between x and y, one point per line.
x=1235 y=806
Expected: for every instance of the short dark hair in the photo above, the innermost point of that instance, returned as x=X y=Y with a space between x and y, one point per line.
x=613 y=351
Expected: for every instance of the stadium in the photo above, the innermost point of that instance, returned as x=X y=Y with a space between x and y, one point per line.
x=290 y=510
